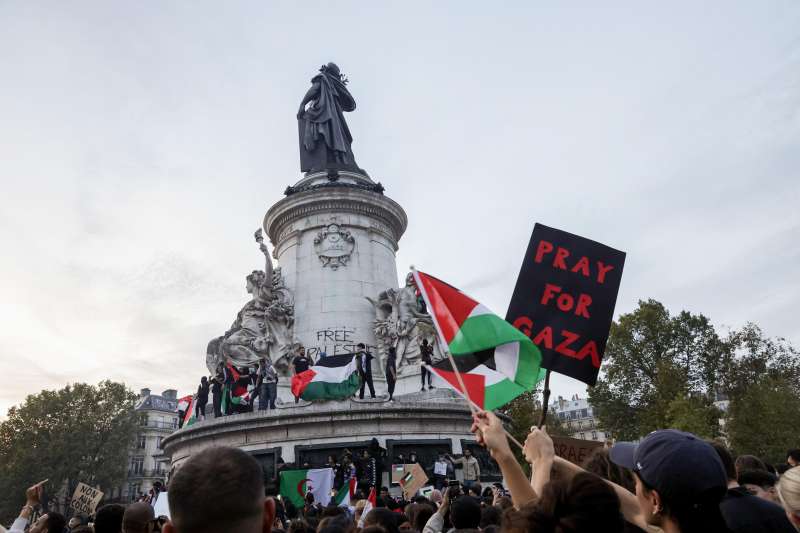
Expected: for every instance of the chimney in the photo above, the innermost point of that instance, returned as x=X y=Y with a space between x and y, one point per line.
x=170 y=394
x=144 y=393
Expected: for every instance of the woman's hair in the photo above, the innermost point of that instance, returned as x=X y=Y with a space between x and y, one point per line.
x=789 y=490
x=419 y=514
x=585 y=503
x=600 y=464
x=749 y=462
x=700 y=516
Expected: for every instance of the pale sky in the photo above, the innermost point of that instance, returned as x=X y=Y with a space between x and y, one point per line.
x=141 y=144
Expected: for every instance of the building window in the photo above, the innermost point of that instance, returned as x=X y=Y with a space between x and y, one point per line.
x=584 y=413
x=583 y=436
x=158 y=442
x=561 y=415
x=594 y=435
x=175 y=423
x=141 y=442
x=580 y=425
x=137 y=465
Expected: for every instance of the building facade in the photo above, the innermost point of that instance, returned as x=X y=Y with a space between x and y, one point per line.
x=146 y=465
x=578 y=417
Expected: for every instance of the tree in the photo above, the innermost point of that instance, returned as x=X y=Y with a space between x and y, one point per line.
x=81 y=433
x=656 y=368
x=763 y=420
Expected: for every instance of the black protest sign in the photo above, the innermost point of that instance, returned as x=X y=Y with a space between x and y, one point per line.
x=564 y=300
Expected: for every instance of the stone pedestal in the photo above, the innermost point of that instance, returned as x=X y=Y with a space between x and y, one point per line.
x=335 y=242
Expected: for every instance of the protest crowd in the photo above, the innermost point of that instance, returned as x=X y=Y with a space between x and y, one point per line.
x=670 y=481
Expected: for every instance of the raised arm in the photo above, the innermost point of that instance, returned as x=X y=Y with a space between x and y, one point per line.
x=490 y=433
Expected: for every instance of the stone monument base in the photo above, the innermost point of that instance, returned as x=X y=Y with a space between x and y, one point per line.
x=304 y=434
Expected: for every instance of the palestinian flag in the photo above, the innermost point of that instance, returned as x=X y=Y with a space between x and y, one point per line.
x=343 y=497
x=372 y=501
x=240 y=390
x=331 y=378
x=184 y=403
x=496 y=360
x=295 y=484
x=189 y=418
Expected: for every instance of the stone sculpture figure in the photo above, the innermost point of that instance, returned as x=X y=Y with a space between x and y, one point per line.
x=325 y=138
x=263 y=327
x=401 y=321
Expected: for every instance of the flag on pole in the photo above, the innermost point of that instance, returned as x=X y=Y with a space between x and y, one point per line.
x=372 y=502
x=295 y=484
x=333 y=377
x=496 y=360
x=183 y=403
x=345 y=494
x=189 y=418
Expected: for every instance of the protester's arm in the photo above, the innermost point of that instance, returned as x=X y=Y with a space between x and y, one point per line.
x=539 y=452
x=435 y=523
x=490 y=433
x=33 y=497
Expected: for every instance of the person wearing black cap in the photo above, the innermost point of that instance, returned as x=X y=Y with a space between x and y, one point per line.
x=680 y=482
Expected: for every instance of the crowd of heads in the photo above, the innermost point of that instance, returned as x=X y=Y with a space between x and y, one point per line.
x=670 y=480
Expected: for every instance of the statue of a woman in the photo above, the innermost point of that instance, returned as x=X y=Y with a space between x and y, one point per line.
x=325 y=138
x=263 y=327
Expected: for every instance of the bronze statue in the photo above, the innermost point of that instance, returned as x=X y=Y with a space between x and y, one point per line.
x=325 y=138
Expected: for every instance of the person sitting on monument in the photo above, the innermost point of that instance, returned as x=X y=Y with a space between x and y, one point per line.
x=219 y=489
x=426 y=353
x=364 y=367
x=391 y=371
x=300 y=363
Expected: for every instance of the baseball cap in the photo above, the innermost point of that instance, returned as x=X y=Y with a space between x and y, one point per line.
x=679 y=465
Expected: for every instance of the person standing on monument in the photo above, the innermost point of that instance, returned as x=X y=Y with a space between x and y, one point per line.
x=426 y=351
x=268 y=385
x=202 y=399
x=391 y=371
x=300 y=363
x=216 y=394
x=364 y=367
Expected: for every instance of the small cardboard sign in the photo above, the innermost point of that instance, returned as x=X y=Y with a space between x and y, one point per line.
x=398 y=471
x=161 y=506
x=413 y=480
x=85 y=499
x=564 y=300
x=575 y=450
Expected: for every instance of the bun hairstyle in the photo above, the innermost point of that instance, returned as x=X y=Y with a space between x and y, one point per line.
x=585 y=503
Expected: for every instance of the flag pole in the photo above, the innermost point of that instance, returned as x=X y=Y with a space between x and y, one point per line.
x=443 y=343
x=545 y=399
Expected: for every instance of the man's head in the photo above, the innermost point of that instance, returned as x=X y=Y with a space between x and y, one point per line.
x=384 y=492
x=793 y=457
x=138 y=518
x=424 y=342
x=759 y=483
x=219 y=489
x=726 y=458
x=49 y=523
x=361 y=346
x=749 y=462
x=465 y=513
x=109 y=518
x=467 y=452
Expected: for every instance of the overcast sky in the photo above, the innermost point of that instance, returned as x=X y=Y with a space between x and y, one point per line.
x=141 y=144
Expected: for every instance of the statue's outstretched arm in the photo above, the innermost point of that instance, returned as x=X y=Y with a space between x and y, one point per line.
x=263 y=247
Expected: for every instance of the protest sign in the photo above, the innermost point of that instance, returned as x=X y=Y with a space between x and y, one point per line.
x=564 y=300
x=161 y=506
x=574 y=450
x=398 y=471
x=85 y=499
x=413 y=480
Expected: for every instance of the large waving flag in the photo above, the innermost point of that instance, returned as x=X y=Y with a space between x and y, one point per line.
x=334 y=377
x=497 y=361
x=295 y=484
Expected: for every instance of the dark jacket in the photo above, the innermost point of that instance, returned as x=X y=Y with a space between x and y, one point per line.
x=364 y=369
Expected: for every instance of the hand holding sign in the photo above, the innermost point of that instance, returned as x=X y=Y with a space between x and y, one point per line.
x=33 y=496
